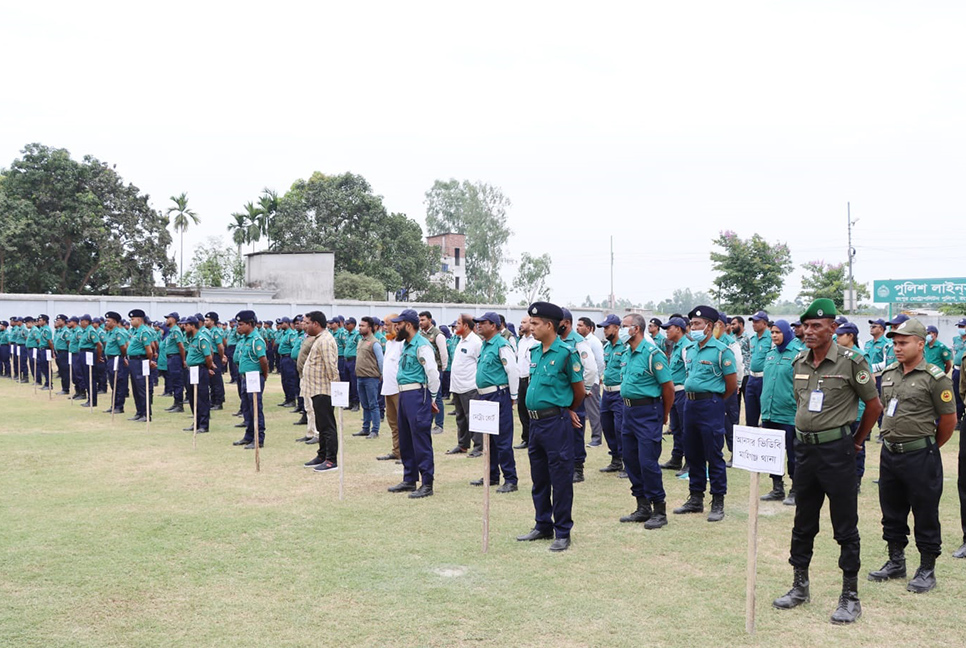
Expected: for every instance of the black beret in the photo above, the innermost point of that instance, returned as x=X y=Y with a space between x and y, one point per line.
x=113 y=315
x=212 y=315
x=137 y=312
x=705 y=313
x=545 y=310
x=245 y=316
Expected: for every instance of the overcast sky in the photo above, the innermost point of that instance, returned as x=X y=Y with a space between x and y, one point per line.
x=658 y=123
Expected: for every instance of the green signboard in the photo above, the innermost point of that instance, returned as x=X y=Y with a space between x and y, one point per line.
x=919 y=291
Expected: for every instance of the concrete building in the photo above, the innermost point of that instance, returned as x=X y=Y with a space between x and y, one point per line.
x=453 y=268
x=292 y=276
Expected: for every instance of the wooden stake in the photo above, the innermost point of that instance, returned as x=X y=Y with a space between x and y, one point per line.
x=117 y=365
x=752 y=554
x=91 y=387
x=35 y=373
x=70 y=371
x=194 y=407
x=147 y=396
x=258 y=461
x=50 y=381
x=341 y=460
x=486 y=492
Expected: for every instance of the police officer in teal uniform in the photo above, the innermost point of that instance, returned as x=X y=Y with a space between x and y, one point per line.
x=88 y=342
x=611 y=403
x=778 y=402
x=285 y=338
x=73 y=347
x=43 y=337
x=351 y=342
x=760 y=346
x=648 y=394
x=250 y=357
x=677 y=328
x=937 y=353
x=418 y=379
x=140 y=347
x=174 y=351
x=199 y=354
x=712 y=378
x=218 y=358
x=61 y=350
x=4 y=350
x=555 y=393
x=115 y=348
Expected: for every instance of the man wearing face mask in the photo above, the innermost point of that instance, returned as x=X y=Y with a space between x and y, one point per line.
x=575 y=341
x=712 y=378
x=959 y=351
x=677 y=328
x=936 y=352
x=732 y=404
x=611 y=403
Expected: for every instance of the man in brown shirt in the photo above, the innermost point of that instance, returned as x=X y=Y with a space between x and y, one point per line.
x=368 y=375
x=320 y=369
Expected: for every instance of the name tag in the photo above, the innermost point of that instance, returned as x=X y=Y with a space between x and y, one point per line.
x=801 y=376
x=815 y=401
x=893 y=404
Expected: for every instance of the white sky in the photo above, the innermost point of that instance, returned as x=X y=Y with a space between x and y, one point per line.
x=658 y=123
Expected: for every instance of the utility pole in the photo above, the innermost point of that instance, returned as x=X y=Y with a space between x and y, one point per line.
x=851 y=296
x=613 y=304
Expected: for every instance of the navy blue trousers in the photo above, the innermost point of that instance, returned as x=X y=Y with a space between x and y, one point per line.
x=676 y=419
x=642 y=450
x=753 y=400
x=63 y=370
x=287 y=370
x=24 y=362
x=612 y=421
x=550 y=449
x=415 y=436
x=501 y=445
x=120 y=394
x=40 y=367
x=216 y=382
x=5 y=360
x=232 y=367
x=82 y=377
x=580 y=450
x=350 y=370
x=204 y=398
x=248 y=412
x=732 y=412
x=176 y=378
x=704 y=430
x=143 y=396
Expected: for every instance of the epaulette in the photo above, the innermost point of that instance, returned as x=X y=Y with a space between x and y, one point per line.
x=935 y=371
x=801 y=355
x=893 y=365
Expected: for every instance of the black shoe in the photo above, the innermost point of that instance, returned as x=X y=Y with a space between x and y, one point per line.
x=217 y=407
x=477 y=482
x=684 y=471
x=622 y=474
x=641 y=514
x=694 y=504
x=560 y=544
x=387 y=457
x=361 y=433
x=925 y=578
x=777 y=492
x=594 y=443
x=373 y=435
x=961 y=552
x=176 y=409
x=520 y=446
x=87 y=404
x=616 y=465
x=535 y=535
x=326 y=466
x=241 y=425
x=287 y=404
x=303 y=439
x=717 y=508
x=423 y=491
x=507 y=487
x=402 y=487
x=849 y=609
x=139 y=419
x=314 y=461
x=76 y=396
x=251 y=446
x=190 y=428
x=302 y=421
x=46 y=388
x=475 y=452
x=202 y=430
x=798 y=594
x=578 y=475
x=355 y=408
x=658 y=516
x=62 y=393
x=312 y=440
x=456 y=450
x=239 y=414
x=240 y=442
x=790 y=500
x=108 y=410
x=895 y=567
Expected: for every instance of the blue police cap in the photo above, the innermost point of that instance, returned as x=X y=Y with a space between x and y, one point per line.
x=675 y=321
x=408 y=315
x=113 y=315
x=610 y=320
x=848 y=327
x=351 y=320
x=62 y=317
x=335 y=320
x=74 y=319
x=377 y=321
x=285 y=320
x=796 y=323
x=190 y=319
x=841 y=319
x=566 y=314
x=878 y=322
x=43 y=317
x=29 y=318
x=85 y=316
x=760 y=315
x=173 y=314
x=488 y=316
x=898 y=319
x=961 y=322
x=245 y=316
x=711 y=314
x=546 y=310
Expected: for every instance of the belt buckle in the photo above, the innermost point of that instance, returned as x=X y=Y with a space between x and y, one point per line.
x=898 y=448
x=532 y=413
x=627 y=402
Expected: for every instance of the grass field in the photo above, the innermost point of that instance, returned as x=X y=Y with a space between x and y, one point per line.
x=114 y=536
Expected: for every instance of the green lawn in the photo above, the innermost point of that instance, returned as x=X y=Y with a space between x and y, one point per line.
x=114 y=536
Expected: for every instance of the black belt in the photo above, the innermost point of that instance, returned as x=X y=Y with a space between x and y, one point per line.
x=549 y=412
x=138 y=357
x=635 y=402
x=701 y=395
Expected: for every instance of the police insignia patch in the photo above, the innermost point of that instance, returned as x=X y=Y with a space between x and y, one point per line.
x=946 y=396
x=583 y=355
x=658 y=366
x=576 y=366
x=504 y=361
x=862 y=377
x=727 y=363
x=422 y=360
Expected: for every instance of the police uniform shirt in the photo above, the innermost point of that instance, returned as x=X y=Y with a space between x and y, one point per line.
x=139 y=339
x=73 y=339
x=116 y=338
x=352 y=341
x=875 y=353
x=644 y=370
x=959 y=349
x=217 y=336
x=576 y=342
x=707 y=366
x=417 y=365
x=497 y=365
x=88 y=339
x=174 y=337
x=679 y=372
x=297 y=345
x=551 y=375
x=451 y=343
x=777 y=392
x=340 y=337
x=914 y=401
x=248 y=350
x=613 y=361
x=938 y=354
x=843 y=378
x=31 y=341
x=61 y=339
x=284 y=341
x=199 y=347
x=760 y=346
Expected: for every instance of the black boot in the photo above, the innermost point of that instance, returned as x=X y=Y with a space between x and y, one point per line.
x=674 y=463
x=717 y=508
x=302 y=421
x=615 y=465
x=642 y=514
x=849 y=608
x=790 y=500
x=777 y=493
x=578 y=474
x=658 y=516
x=798 y=594
x=895 y=567
x=925 y=578
x=694 y=504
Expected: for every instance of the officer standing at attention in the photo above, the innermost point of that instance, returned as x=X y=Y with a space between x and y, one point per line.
x=936 y=352
x=284 y=338
x=174 y=343
x=648 y=394
x=677 y=329
x=917 y=394
x=140 y=348
x=250 y=356
x=497 y=381
x=712 y=378
x=553 y=397
x=575 y=341
x=429 y=330
x=829 y=383
x=44 y=337
x=4 y=350
x=959 y=351
x=89 y=342
x=760 y=346
x=611 y=403
x=418 y=379
x=73 y=347
x=351 y=343
x=778 y=402
x=961 y=480
x=218 y=350
x=114 y=349
x=199 y=355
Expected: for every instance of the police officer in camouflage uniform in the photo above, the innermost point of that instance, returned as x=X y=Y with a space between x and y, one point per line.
x=829 y=382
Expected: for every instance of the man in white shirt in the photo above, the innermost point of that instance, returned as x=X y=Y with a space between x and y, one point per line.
x=390 y=388
x=526 y=342
x=586 y=328
x=571 y=338
x=462 y=384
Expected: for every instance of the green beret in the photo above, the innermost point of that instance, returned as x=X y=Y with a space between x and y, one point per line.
x=820 y=309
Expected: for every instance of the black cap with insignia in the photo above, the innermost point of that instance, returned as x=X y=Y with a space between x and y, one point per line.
x=545 y=310
x=705 y=313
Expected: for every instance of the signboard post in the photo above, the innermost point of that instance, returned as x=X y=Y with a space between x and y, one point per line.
x=91 y=387
x=757 y=450
x=114 y=390
x=485 y=419
x=193 y=378
x=146 y=370
x=253 y=385
x=919 y=291
x=340 y=399
x=50 y=376
x=35 y=371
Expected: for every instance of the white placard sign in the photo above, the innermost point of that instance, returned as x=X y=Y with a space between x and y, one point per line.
x=759 y=450
x=193 y=375
x=253 y=384
x=89 y=356
x=340 y=394
x=484 y=417
x=116 y=358
x=49 y=355
x=34 y=353
x=145 y=368
x=18 y=351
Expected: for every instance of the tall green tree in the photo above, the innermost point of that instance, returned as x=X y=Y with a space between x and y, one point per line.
x=239 y=230
x=267 y=208
x=751 y=272
x=531 y=279
x=80 y=228
x=182 y=216
x=214 y=265
x=253 y=220
x=477 y=210
x=829 y=280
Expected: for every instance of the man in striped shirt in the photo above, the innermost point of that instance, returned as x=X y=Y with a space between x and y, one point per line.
x=321 y=368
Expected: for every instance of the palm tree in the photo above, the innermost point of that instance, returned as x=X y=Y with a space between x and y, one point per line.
x=239 y=230
x=182 y=216
x=267 y=205
x=253 y=228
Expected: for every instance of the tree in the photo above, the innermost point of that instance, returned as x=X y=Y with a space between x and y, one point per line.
x=349 y=285
x=829 y=281
x=239 y=230
x=182 y=216
x=440 y=292
x=253 y=223
x=750 y=272
x=477 y=210
x=531 y=278
x=214 y=265
x=79 y=228
x=682 y=300
x=267 y=208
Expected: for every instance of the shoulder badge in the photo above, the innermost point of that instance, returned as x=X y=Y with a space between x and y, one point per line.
x=946 y=396
x=727 y=363
x=846 y=352
x=862 y=377
x=893 y=365
x=659 y=366
x=504 y=361
x=583 y=355
x=935 y=371
x=577 y=366
x=422 y=360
